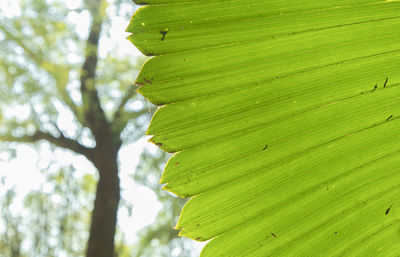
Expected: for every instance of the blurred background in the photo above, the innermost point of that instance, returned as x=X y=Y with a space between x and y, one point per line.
x=65 y=68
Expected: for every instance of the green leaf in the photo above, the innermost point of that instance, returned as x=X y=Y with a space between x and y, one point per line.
x=284 y=118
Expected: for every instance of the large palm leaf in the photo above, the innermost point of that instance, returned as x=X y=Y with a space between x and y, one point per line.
x=284 y=117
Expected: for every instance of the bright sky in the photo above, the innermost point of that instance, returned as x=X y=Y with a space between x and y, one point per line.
x=23 y=172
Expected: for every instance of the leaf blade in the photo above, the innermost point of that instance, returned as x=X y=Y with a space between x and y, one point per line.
x=283 y=118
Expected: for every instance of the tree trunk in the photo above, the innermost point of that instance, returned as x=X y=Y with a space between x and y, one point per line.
x=104 y=215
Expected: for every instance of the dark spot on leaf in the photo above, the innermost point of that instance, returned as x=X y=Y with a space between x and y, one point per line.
x=163 y=33
x=198 y=238
x=139 y=83
x=177 y=163
x=159 y=144
x=198 y=225
x=388 y=210
x=265 y=147
x=335 y=232
x=148 y=80
x=384 y=85
x=273 y=235
x=389 y=117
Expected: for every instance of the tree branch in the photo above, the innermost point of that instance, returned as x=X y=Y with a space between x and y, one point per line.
x=60 y=141
x=122 y=120
x=37 y=58
x=92 y=109
x=121 y=117
x=128 y=94
x=61 y=76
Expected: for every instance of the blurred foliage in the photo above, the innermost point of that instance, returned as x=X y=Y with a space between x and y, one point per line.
x=41 y=54
x=50 y=221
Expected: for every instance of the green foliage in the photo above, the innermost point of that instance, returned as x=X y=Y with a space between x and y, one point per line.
x=284 y=118
x=42 y=54
x=11 y=235
x=47 y=221
x=43 y=72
